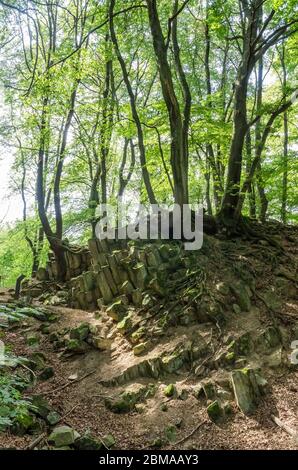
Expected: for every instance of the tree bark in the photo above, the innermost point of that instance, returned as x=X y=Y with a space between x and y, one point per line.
x=179 y=155
x=135 y=115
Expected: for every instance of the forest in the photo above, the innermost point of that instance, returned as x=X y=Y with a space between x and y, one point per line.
x=152 y=103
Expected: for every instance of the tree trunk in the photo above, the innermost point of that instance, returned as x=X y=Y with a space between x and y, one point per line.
x=179 y=155
x=284 y=195
x=135 y=115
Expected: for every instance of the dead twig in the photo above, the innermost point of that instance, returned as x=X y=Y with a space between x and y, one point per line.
x=286 y=428
x=36 y=441
x=192 y=432
x=68 y=412
x=69 y=383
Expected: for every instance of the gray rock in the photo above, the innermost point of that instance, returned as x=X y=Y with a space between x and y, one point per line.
x=87 y=442
x=62 y=436
x=53 y=418
x=246 y=389
x=242 y=295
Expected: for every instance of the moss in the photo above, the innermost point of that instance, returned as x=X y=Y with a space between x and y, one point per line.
x=157 y=443
x=170 y=433
x=231 y=346
x=109 y=440
x=125 y=324
x=230 y=357
x=214 y=411
x=80 y=332
x=170 y=390
x=140 y=348
x=138 y=334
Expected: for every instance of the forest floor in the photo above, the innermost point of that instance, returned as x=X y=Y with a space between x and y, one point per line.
x=84 y=383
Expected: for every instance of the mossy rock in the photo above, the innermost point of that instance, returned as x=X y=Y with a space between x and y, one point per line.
x=32 y=339
x=170 y=433
x=109 y=440
x=76 y=346
x=270 y=338
x=209 y=389
x=246 y=389
x=124 y=325
x=230 y=357
x=37 y=360
x=22 y=424
x=138 y=334
x=157 y=443
x=53 y=418
x=33 y=313
x=141 y=348
x=215 y=411
x=40 y=406
x=117 y=310
x=244 y=344
x=126 y=401
x=170 y=390
x=81 y=332
x=87 y=442
x=62 y=436
x=242 y=294
x=45 y=329
x=174 y=362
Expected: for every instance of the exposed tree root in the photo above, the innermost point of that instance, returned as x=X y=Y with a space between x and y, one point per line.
x=246 y=227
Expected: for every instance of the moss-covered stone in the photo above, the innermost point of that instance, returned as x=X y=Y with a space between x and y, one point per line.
x=87 y=442
x=53 y=418
x=209 y=389
x=170 y=433
x=124 y=325
x=80 y=332
x=215 y=411
x=230 y=357
x=170 y=390
x=157 y=443
x=117 y=310
x=109 y=440
x=138 y=334
x=103 y=344
x=62 y=436
x=126 y=401
x=246 y=389
x=32 y=339
x=268 y=339
x=76 y=346
x=164 y=407
x=174 y=361
x=141 y=348
x=37 y=360
x=40 y=406
x=242 y=295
